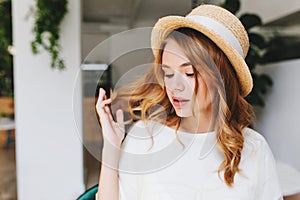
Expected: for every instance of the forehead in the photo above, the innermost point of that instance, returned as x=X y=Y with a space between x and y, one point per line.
x=173 y=54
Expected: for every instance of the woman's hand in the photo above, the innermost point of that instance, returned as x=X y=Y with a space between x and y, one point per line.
x=113 y=134
x=113 y=131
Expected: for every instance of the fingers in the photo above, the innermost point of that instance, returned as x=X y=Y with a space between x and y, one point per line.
x=120 y=116
x=102 y=94
x=120 y=119
x=107 y=110
x=102 y=103
x=113 y=131
x=103 y=106
x=101 y=97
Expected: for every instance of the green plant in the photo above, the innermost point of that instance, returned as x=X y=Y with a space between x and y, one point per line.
x=6 y=61
x=5 y=115
x=261 y=82
x=48 y=17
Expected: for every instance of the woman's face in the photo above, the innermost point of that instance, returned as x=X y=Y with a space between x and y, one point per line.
x=179 y=79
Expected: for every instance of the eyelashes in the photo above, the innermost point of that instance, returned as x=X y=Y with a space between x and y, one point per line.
x=190 y=74
x=171 y=75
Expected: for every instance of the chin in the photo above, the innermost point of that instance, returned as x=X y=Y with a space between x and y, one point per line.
x=183 y=113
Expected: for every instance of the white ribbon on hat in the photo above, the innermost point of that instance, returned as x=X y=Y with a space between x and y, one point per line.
x=220 y=29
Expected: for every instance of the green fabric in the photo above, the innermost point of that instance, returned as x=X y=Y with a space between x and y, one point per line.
x=89 y=194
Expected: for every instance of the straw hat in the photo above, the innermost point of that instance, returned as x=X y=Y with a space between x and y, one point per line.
x=218 y=24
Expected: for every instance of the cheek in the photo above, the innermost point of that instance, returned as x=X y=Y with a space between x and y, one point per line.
x=204 y=97
x=168 y=91
x=192 y=85
x=167 y=84
x=202 y=93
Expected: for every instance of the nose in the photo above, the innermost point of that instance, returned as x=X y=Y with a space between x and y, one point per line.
x=177 y=82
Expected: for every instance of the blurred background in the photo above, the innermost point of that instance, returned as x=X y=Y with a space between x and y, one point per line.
x=54 y=57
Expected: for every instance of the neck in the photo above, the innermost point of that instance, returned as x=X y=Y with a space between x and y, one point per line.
x=198 y=124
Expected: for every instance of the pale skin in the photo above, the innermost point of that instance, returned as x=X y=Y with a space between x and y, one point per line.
x=113 y=134
x=179 y=79
x=180 y=83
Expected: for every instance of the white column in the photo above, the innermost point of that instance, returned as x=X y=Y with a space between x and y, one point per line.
x=48 y=145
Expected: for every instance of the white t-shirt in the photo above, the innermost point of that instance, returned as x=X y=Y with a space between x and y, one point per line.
x=167 y=171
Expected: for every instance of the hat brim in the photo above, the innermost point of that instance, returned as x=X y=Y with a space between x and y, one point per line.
x=167 y=24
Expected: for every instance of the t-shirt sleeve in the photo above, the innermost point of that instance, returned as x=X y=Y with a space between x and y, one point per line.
x=268 y=185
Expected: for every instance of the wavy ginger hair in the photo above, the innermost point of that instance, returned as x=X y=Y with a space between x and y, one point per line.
x=231 y=111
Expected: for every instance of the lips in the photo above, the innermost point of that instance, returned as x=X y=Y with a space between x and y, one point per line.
x=179 y=101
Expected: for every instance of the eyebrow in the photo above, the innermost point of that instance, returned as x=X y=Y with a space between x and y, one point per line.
x=182 y=65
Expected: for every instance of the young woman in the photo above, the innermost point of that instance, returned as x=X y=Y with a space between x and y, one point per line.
x=190 y=138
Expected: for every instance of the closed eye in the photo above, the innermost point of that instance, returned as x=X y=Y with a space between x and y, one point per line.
x=169 y=75
x=190 y=74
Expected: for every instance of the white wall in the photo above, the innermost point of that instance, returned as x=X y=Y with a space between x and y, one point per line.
x=269 y=10
x=48 y=148
x=279 y=119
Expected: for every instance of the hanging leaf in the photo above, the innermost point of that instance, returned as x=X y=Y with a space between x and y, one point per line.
x=257 y=40
x=255 y=99
x=263 y=83
x=250 y=20
x=48 y=17
x=252 y=58
x=6 y=61
x=232 y=5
